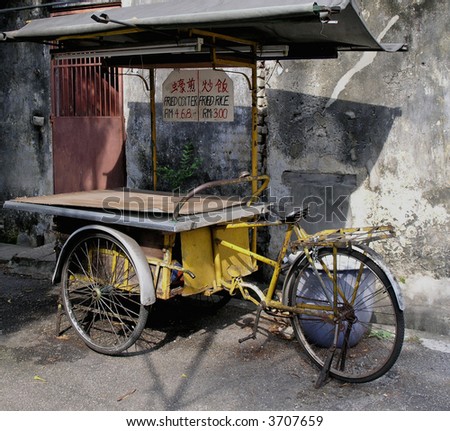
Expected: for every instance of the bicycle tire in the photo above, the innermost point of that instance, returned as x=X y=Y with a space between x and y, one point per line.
x=101 y=294
x=368 y=326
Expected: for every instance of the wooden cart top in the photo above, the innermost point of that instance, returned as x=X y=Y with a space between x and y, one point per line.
x=139 y=208
x=134 y=201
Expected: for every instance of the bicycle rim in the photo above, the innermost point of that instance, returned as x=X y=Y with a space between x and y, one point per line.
x=363 y=318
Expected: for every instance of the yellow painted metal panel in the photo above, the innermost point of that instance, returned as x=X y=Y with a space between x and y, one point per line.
x=197 y=255
x=233 y=261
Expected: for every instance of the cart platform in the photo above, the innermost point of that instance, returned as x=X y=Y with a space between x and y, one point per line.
x=140 y=208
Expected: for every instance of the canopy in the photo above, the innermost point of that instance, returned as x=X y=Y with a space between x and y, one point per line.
x=179 y=31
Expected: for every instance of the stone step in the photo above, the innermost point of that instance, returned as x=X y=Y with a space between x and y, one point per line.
x=37 y=262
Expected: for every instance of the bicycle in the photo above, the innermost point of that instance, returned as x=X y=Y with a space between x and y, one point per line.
x=345 y=306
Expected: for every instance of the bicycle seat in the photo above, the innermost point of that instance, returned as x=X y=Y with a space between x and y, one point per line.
x=295 y=215
x=291 y=217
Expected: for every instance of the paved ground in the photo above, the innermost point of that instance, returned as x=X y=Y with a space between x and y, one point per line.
x=191 y=360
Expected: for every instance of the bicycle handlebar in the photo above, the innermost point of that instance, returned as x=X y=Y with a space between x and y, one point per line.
x=245 y=177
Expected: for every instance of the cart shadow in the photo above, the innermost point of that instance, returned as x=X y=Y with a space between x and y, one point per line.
x=183 y=317
x=205 y=367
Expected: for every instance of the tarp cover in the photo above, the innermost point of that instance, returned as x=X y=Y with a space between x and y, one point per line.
x=334 y=24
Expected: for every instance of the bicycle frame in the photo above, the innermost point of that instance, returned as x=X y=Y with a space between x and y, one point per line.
x=334 y=238
x=267 y=299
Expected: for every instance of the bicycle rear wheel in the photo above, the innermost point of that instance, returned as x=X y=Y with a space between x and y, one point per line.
x=362 y=316
x=101 y=294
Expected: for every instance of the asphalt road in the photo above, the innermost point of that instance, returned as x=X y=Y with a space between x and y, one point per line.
x=190 y=359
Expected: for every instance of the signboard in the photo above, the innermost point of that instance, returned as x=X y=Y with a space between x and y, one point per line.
x=198 y=95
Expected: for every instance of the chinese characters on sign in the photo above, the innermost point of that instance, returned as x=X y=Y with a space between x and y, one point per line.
x=198 y=95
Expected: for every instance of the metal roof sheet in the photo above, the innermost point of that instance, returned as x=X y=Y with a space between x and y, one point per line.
x=306 y=27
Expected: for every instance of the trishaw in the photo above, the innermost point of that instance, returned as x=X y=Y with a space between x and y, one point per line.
x=344 y=304
x=124 y=249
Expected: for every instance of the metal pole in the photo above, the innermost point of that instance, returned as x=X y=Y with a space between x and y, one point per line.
x=153 y=127
x=254 y=125
x=254 y=138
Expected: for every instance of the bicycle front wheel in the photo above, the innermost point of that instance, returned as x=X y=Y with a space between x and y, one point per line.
x=347 y=302
x=101 y=294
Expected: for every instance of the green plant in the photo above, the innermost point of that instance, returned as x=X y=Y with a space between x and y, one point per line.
x=176 y=177
x=381 y=334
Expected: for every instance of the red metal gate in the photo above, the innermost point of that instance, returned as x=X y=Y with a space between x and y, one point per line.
x=88 y=134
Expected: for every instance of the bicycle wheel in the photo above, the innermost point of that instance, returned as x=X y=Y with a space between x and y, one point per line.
x=363 y=318
x=101 y=294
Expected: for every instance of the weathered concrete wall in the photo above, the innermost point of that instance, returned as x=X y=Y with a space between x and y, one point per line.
x=138 y=129
x=25 y=149
x=374 y=127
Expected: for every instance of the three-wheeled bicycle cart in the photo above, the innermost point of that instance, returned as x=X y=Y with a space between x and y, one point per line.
x=124 y=249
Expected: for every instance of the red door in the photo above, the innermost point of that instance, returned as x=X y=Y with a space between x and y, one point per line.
x=88 y=133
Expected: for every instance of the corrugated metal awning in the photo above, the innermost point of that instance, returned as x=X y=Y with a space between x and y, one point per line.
x=289 y=28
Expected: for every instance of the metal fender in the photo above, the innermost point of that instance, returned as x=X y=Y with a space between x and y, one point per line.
x=148 y=296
